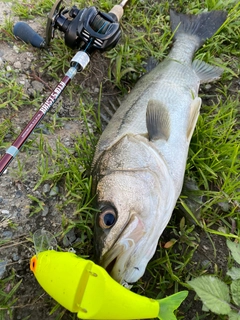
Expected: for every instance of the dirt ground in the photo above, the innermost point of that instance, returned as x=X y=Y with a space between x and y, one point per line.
x=33 y=303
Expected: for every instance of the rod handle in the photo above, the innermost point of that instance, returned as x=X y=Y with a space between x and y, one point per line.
x=117 y=10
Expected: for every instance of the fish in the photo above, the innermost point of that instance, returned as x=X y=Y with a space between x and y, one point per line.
x=140 y=159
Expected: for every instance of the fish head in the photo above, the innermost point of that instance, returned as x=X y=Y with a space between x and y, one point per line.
x=134 y=208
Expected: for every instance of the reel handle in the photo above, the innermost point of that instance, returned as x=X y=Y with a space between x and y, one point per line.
x=24 y=32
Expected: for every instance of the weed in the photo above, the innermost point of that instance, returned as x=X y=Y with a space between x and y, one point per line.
x=10 y=91
x=217 y=296
x=31 y=9
x=8 y=288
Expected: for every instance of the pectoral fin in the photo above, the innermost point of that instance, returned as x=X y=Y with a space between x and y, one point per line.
x=194 y=113
x=158 y=121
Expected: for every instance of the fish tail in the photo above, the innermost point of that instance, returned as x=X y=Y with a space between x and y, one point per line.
x=203 y=25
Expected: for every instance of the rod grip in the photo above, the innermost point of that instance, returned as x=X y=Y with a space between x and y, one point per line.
x=117 y=10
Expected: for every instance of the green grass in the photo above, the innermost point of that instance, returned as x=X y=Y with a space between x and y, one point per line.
x=8 y=288
x=213 y=163
x=10 y=91
x=214 y=157
x=30 y=9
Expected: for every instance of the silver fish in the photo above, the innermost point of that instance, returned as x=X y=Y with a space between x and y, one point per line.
x=139 y=163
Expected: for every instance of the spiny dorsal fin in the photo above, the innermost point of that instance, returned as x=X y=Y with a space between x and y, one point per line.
x=158 y=122
x=194 y=113
x=108 y=108
x=206 y=72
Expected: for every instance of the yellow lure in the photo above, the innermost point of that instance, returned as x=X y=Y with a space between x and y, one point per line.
x=85 y=288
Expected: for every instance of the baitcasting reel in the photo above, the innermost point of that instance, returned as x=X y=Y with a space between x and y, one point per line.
x=87 y=29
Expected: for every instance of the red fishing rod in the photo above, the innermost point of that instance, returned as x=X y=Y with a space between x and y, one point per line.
x=88 y=30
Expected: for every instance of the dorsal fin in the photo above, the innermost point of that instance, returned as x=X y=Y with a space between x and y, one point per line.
x=157 y=120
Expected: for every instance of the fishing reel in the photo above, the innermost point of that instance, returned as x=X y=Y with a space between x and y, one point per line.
x=85 y=29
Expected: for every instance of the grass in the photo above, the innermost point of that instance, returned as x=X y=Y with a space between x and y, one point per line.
x=9 y=97
x=213 y=162
x=31 y=9
x=8 y=288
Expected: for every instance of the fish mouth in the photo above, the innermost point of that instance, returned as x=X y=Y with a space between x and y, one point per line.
x=119 y=260
x=111 y=265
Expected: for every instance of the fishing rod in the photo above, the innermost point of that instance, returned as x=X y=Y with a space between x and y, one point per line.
x=87 y=30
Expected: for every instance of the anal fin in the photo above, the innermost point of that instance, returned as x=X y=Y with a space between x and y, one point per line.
x=157 y=120
x=194 y=113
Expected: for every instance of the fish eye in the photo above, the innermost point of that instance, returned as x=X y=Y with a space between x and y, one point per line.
x=107 y=218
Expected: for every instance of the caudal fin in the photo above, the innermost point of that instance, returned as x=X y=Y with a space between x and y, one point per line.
x=203 y=25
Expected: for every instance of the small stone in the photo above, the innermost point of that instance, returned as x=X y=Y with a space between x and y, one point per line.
x=7 y=234
x=38 y=86
x=67 y=126
x=3 y=265
x=17 y=65
x=15 y=257
x=45 y=211
x=18 y=194
x=29 y=55
x=224 y=206
x=43 y=129
x=1 y=199
x=9 y=68
x=206 y=263
x=16 y=49
x=208 y=86
x=31 y=93
x=54 y=191
x=67 y=142
x=69 y=238
x=37 y=193
x=8 y=136
x=46 y=188
x=6 y=212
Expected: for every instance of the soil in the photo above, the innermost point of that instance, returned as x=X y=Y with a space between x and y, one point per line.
x=15 y=204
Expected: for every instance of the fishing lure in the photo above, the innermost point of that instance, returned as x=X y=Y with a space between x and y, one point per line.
x=87 y=289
